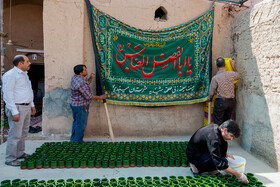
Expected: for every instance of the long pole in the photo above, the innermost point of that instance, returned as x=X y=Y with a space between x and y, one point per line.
x=109 y=123
x=209 y=112
x=2 y=71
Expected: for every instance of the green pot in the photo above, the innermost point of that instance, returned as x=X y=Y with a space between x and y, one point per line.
x=23 y=164
x=129 y=179
x=98 y=163
x=105 y=163
x=76 y=163
x=132 y=163
x=113 y=183
x=39 y=163
x=6 y=182
x=83 y=164
x=68 y=163
x=53 y=164
x=78 y=181
x=122 y=179
x=41 y=182
x=122 y=184
x=70 y=181
x=126 y=162
x=249 y=175
x=96 y=181
x=159 y=162
x=185 y=163
x=156 y=178
x=141 y=183
x=178 y=162
x=90 y=163
x=87 y=181
x=139 y=162
x=139 y=179
x=33 y=181
x=148 y=179
x=51 y=182
x=164 y=179
x=30 y=164
x=171 y=162
x=60 y=181
x=165 y=162
x=152 y=162
x=24 y=182
x=61 y=164
x=16 y=182
x=46 y=163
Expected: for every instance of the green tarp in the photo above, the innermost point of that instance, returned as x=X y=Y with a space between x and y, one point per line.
x=154 y=67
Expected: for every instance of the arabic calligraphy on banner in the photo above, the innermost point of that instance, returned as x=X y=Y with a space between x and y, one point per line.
x=154 y=67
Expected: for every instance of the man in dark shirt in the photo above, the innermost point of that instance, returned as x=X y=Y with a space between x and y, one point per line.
x=207 y=149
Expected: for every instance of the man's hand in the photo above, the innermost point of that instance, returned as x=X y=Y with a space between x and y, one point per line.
x=102 y=96
x=91 y=77
x=33 y=110
x=16 y=117
x=232 y=62
x=230 y=156
x=243 y=178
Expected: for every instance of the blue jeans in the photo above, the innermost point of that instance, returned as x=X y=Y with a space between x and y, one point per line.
x=80 y=116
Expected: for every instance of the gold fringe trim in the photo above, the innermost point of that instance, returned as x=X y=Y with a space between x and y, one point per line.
x=156 y=103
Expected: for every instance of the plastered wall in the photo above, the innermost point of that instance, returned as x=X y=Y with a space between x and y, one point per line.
x=255 y=33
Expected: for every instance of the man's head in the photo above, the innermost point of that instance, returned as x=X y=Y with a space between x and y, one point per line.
x=220 y=62
x=22 y=62
x=80 y=70
x=229 y=130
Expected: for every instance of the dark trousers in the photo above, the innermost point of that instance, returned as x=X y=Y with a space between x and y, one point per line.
x=203 y=162
x=222 y=110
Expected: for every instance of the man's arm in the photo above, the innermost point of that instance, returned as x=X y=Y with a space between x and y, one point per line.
x=9 y=83
x=213 y=87
x=238 y=174
x=99 y=96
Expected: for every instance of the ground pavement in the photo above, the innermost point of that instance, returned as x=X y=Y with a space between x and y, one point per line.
x=266 y=174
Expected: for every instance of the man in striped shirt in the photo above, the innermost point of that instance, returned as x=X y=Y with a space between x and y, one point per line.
x=223 y=84
x=81 y=97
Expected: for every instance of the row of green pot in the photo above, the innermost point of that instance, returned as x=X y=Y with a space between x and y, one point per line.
x=204 y=180
x=107 y=154
x=104 y=163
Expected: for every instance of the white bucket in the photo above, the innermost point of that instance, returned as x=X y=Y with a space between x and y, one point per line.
x=237 y=164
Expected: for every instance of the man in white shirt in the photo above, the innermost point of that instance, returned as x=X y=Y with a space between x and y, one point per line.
x=18 y=96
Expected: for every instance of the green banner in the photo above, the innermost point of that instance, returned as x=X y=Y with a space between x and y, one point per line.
x=154 y=67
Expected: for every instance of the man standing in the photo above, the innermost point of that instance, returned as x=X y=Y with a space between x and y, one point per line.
x=18 y=96
x=207 y=149
x=223 y=84
x=81 y=97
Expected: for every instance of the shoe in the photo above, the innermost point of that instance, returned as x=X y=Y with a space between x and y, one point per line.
x=32 y=129
x=13 y=163
x=25 y=155
x=39 y=129
x=194 y=172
